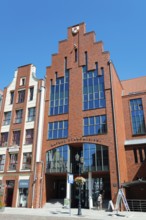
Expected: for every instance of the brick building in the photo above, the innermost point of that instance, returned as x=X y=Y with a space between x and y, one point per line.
x=20 y=142
x=88 y=114
x=1 y=96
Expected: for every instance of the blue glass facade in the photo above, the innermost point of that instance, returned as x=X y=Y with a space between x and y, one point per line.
x=59 y=95
x=57 y=159
x=58 y=129
x=93 y=89
x=95 y=157
x=137 y=116
x=95 y=125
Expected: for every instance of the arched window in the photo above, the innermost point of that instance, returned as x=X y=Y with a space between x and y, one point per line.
x=57 y=159
x=95 y=157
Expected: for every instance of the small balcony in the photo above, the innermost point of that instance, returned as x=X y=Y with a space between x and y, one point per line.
x=3 y=144
x=26 y=166
x=30 y=118
x=6 y=122
x=29 y=141
x=18 y=120
x=1 y=167
x=12 y=166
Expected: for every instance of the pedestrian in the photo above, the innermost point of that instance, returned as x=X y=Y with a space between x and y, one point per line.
x=99 y=201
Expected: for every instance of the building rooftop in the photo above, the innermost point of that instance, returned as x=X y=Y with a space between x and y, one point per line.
x=133 y=86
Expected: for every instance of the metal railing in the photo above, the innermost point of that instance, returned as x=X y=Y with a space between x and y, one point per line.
x=3 y=144
x=137 y=205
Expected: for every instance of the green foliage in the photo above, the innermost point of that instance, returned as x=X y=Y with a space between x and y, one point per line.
x=2 y=204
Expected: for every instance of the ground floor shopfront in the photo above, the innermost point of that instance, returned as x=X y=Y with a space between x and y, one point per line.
x=61 y=162
x=94 y=185
x=16 y=191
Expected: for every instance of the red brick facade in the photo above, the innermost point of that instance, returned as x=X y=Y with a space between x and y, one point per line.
x=126 y=152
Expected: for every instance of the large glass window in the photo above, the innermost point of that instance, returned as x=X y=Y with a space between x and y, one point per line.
x=4 y=139
x=23 y=197
x=16 y=138
x=31 y=93
x=59 y=95
x=57 y=159
x=95 y=157
x=21 y=96
x=58 y=129
x=2 y=162
x=93 y=89
x=19 y=114
x=7 y=118
x=26 y=165
x=13 y=161
x=29 y=136
x=137 y=116
x=31 y=114
x=95 y=125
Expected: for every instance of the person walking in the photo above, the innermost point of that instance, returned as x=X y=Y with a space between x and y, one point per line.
x=99 y=201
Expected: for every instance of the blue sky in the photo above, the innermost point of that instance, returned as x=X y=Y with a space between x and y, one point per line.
x=31 y=29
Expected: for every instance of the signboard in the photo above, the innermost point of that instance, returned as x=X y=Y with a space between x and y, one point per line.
x=70 y=178
x=23 y=183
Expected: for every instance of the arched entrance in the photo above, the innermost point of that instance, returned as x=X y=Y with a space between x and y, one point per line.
x=61 y=161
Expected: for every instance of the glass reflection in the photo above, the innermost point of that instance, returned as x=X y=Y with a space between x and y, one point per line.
x=57 y=159
x=95 y=157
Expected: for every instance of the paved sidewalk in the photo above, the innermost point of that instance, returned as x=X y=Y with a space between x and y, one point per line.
x=60 y=213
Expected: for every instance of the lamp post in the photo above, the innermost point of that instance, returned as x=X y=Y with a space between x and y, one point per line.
x=80 y=161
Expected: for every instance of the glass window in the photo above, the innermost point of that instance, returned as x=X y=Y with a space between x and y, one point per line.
x=16 y=138
x=13 y=161
x=11 y=97
x=95 y=125
x=27 y=157
x=31 y=91
x=22 y=81
x=95 y=157
x=4 y=139
x=2 y=162
x=59 y=95
x=29 y=136
x=23 y=197
x=137 y=116
x=57 y=159
x=58 y=129
x=19 y=114
x=31 y=114
x=7 y=118
x=93 y=87
x=21 y=96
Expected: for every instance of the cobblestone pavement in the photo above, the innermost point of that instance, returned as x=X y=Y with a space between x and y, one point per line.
x=60 y=213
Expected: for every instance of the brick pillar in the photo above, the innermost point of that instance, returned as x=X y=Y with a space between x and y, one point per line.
x=37 y=186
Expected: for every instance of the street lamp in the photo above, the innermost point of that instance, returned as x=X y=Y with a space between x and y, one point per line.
x=80 y=161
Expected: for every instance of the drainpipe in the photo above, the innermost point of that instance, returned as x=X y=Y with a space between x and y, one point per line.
x=41 y=188
x=114 y=124
x=39 y=142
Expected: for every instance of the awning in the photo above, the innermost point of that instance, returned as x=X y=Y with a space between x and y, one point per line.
x=133 y=183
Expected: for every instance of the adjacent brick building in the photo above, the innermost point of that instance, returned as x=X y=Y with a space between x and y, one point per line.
x=20 y=127
x=88 y=114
